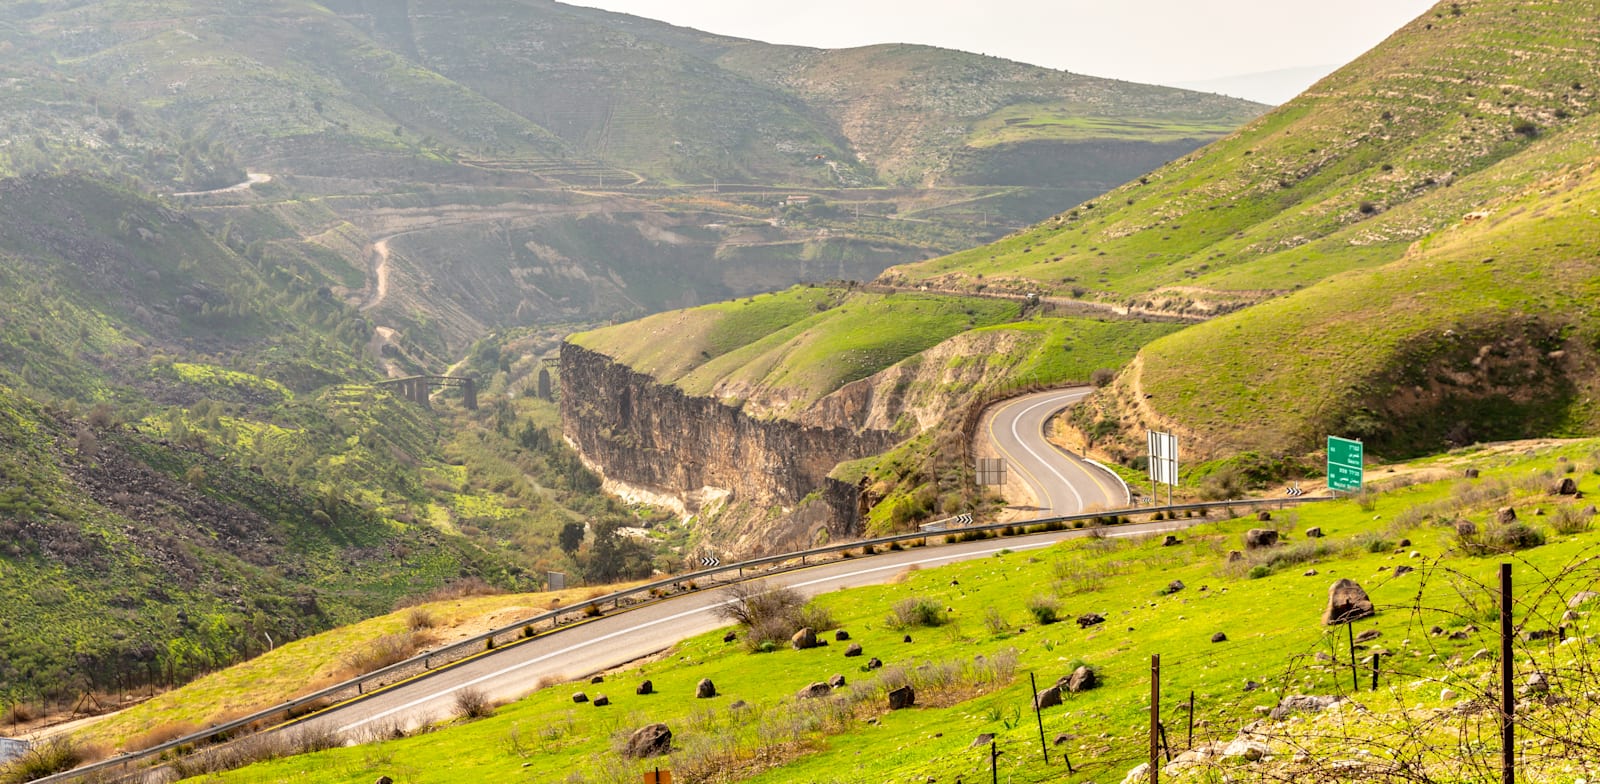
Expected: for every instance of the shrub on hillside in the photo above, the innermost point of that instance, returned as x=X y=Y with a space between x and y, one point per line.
x=1046 y=610
x=917 y=611
x=771 y=617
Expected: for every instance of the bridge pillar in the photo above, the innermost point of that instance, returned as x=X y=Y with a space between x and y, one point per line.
x=469 y=394
x=418 y=391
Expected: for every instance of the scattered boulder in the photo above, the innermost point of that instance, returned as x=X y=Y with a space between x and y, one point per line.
x=815 y=690
x=906 y=638
x=1581 y=598
x=738 y=705
x=1141 y=772
x=1171 y=541
x=1347 y=601
x=1257 y=538
x=836 y=682
x=1219 y=637
x=1062 y=738
x=1175 y=586
x=580 y=697
x=1404 y=543
x=384 y=780
x=1537 y=683
x=841 y=635
x=1471 y=473
x=1402 y=569
x=705 y=689
x=730 y=636
x=1263 y=515
x=1506 y=515
x=1565 y=487
x=598 y=679
x=982 y=740
x=1082 y=680
x=901 y=698
x=874 y=663
x=1047 y=698
x=651 y=740
x=1314 y=533
x=1090 y=619
x=1249 y=750
x=1466 y=528
x=1311 y=573
x=804 y=639
x=1250 y=685
x=1369 y=635
x=1235 y=556
x=645 y=688
x=1446 y=695
x=1535 y=635
x=853 y=650
x=1303 y=703
x=601 y=700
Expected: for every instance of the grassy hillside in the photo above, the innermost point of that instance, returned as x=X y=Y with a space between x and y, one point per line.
x=198 y=466
x=987 y=625
x=1468 y=103
x=1482 y=332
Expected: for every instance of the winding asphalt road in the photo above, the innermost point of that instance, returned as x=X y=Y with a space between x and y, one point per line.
x=581 y=650
x=1062 y=483
x=1054 y=481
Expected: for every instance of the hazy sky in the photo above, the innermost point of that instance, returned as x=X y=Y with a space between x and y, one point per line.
x=1159 y=41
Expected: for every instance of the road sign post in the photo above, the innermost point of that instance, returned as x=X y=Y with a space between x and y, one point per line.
x=1163 y=462
x=1344 y=465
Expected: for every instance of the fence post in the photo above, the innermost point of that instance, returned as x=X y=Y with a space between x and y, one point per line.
x=1508 y=702
x=1375 y=656
x=1355 y=677
x=1155 y=718
x=1039 y=717
x=1190 y=744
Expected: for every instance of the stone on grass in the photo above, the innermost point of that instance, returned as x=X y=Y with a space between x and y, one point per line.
x=815 y=690
x=1171 y=541
x=1369 y=635
x=651 y=740
x=874 y=663
x=836 y=682
x=804 y=639
x=1047 y=698
x=1347 y=601
x=1257 y=538
x=705 y=689
x=601 y=700
x=1581 y=598
x=841 y=635
x=1090 y=619
x=1313 y=533
x=903 y=697
x=1175 y=586
x=1506 y=516
x=1219 y=637
x=1082 y=680
x=580 y=697
x=1303 y=703
x=853 y=650
x=982 y=740
x=645 y=688
x=1565 y=487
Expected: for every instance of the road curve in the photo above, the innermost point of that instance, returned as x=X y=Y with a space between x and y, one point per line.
x=1053 y=481
x=584 y=649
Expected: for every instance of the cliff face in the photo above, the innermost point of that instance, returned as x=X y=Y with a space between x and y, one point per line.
x=659 y=442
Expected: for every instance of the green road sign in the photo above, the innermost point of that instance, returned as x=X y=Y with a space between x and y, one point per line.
x=1344 y=464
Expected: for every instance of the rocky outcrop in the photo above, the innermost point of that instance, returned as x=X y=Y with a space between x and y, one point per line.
x=658 y=441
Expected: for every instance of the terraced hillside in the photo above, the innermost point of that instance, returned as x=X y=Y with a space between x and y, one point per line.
x=1411 y=224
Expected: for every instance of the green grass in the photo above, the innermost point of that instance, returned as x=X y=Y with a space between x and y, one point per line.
x=1458 y=331
x=1123 y=580
x=1034 y=122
